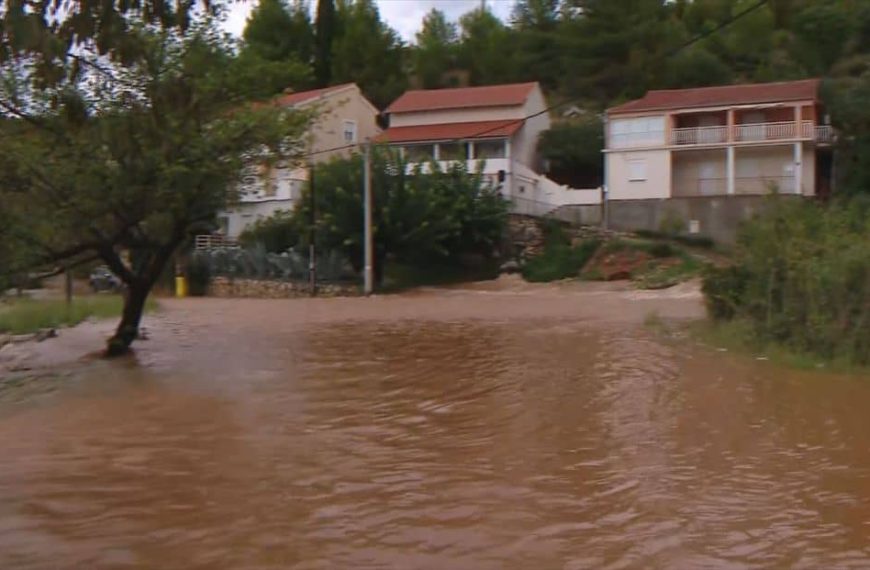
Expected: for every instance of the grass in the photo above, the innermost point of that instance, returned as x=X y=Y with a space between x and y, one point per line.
x=22 y=316
x=661 y=276
x=739 y=336
x=559 y=261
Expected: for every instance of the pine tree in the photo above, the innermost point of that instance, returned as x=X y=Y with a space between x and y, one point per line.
x=324 y=38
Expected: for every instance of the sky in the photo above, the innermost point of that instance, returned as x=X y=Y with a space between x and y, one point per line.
x=404 y=16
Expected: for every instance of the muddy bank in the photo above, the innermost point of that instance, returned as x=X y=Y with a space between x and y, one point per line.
x=192 y=323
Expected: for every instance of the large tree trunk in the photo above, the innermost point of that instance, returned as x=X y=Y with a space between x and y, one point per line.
x=128 y=328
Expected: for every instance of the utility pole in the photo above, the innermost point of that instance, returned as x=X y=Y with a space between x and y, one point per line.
x=312 y=265
x=367 y=222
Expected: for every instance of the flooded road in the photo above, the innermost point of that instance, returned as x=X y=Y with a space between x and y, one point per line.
x=468 y=429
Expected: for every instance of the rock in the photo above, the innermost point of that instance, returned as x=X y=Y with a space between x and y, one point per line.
x=19 y=338
x=274 y=289
x=44 y=334
x=511 y=266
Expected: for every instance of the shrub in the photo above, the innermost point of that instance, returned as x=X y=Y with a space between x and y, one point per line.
x=559 y=261
x=723 y=289
x=198 y=276
x=802 y=279
x=277 y=233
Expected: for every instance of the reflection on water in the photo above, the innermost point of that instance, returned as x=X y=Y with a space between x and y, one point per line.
x=479 y=444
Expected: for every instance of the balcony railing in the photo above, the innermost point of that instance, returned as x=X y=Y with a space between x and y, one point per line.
x=754 y=132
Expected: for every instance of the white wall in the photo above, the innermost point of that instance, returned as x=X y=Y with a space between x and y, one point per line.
x=657 y=178
x=524 y=144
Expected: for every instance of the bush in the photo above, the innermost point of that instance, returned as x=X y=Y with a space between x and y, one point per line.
x=723 y=289
x=559 y=261
x=277 y=233
x=689 y=240
x=802 y=279
x=198 y=276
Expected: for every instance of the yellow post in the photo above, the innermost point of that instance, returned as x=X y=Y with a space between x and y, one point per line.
x=180 y=286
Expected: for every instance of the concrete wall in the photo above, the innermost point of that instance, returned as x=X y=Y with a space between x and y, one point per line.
x=657 y=182
x=716 y=217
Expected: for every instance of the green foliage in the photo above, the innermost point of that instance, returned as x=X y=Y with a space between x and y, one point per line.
x=325 y=28
x=368 y=52
x=482 y=52
x=436 y=51
x=422 y=215
x=574 y=151
x=277 y=233
x=276 y=32
x=135 y=157
x=23 y=316
x=802 y=279
x=198 y=276
x=559 y=260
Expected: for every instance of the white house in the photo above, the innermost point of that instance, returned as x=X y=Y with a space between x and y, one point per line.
x=497 y=124
x=345 y=118
x=708 y=154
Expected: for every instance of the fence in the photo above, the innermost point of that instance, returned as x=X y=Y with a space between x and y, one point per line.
x=256 y=263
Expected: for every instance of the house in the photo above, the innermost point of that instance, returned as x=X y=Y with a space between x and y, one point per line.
x=709 y=154
x=496 y=125
x=345 y=119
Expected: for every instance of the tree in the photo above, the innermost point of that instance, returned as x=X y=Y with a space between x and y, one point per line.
x=435 y=52
x=421 y=215
x=485 y=48
x=368 y=52
x=324 y=37
x=574 y=151
x=536 y=56
x=123 y=163
x=276 y=33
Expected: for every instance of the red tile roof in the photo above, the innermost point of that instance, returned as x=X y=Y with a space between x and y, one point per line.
x=464 y=97
x=804 y=90
x=449 y=131
x=291 y=99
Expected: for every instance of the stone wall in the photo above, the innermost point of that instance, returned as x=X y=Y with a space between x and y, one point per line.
x=267 y=289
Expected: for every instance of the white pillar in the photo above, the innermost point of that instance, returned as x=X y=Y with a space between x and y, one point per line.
x=798 y=167
x=729 y=168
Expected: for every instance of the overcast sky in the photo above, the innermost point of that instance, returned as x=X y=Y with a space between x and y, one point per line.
x=403 y=15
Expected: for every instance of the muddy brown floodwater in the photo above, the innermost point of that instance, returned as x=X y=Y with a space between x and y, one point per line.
x=483 y=428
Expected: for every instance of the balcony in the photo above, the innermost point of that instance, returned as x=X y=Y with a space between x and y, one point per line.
x=755 y=132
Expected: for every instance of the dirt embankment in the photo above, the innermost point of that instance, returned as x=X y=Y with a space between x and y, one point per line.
x=188 y=329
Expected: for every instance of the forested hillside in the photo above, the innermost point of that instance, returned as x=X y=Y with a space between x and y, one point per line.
x=589 y=53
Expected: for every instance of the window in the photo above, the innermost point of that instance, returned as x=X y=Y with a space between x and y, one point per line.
x=453 y=151
x=489 y=149
x=349 y=131
x=419 y=152
x=640 y=131
x=636 y=169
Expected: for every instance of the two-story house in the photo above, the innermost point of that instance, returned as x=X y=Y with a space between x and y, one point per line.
x=685 y=151
x=496 y=125
x=344 y=119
